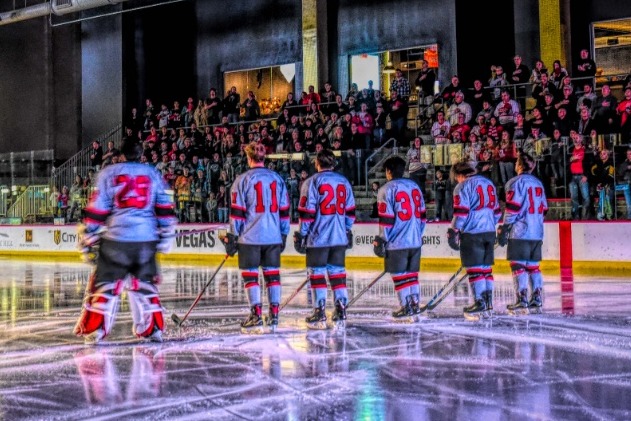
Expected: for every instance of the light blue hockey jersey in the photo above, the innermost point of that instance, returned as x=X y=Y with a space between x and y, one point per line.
x=402 y=214
x=526 y=206
x=130 y=200
x=259 y=207
x=476 y=206
x=327 y=209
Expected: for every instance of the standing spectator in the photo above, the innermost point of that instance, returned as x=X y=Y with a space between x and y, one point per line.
x=459 y=106
x=580 y=165
x=290 y=104
x=365 y=124
x=587 y=99
x=472 y=231
x=505 y=155
x=543 y=87
x=252 y=109
x=200 y=116
x=76 y=196
x=425 y=83
x=109 y=153
x=231 y=104
x=477 y=96
x=604 y=114
x=442 y=189
x=440 y=128
x=213 y=107
x=188 y=112
x=402 y=220
x=327 y=214
x=558 y=164
x=519 y=76
x=624 y=112
x=416 y=168
x=398 y=116
x=506 y=110
x=449 y=92
x=374 y=190
x=328 y=98
x=558 y=74
x=522 y=231
x=497 y=83
x=563 y=123
x=292 y=182
x=379 y=131
x=259 y=224
x=603 y=172
x=585 y=68
x=96 y=155
x=222 y=205
x=62 y=203
x=623 y=173
x=401 y=85
x=163 y=116
x=537 y=71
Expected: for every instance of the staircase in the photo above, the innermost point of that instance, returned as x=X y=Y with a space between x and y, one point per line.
x=79 y=163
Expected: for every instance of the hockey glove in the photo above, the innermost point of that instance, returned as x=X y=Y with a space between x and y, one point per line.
x=502 y=234
x=453 y=238
x=284 y=242
x=349 y=238
x=300 y=243
x=230 y=243
x=165 y=243
x=379 y=247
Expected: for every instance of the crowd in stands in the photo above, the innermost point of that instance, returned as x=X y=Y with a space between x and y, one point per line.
x=574 y=132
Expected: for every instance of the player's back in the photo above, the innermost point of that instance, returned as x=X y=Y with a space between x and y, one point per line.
x=328 y=197
x=127 y=199
x=256 y=199
x=526 y=205
x=405 y=200
x=476 y=202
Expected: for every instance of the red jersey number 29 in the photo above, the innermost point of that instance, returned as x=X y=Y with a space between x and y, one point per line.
x=135 y=191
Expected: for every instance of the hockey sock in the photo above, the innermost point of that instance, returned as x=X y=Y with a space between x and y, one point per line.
x=318 y=285
x=251 y=283
x=401 y=286
x=337 y=278
x=272 y=281
x=477 y=280
x=520 y=276
x=535 y=275
x=415 y=288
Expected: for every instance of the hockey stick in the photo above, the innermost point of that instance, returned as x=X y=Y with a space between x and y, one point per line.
x=363 y=291
x=434 y=301
x=293 y=294
x=174 y=316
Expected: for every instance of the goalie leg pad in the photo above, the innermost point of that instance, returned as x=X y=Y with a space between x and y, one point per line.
x=99 y=307
x=146 y=310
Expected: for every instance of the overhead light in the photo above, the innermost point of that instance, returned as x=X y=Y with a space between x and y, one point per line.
x=389 y=68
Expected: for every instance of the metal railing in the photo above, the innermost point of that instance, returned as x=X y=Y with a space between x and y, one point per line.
x=373 y=169
x=4 y=199
x=31 y=203
x=80 y=163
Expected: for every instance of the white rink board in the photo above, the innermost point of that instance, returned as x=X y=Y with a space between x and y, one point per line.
x=599 y=238
x=604 y=241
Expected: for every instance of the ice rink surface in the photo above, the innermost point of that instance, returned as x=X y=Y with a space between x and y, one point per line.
x=571 y=363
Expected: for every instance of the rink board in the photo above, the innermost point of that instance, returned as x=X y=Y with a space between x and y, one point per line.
x=595 y=245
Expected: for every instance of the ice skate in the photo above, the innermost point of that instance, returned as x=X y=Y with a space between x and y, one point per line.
x=404 y=314
x=488 y=300
x=536 y=302
x=317 y=320
x=415 y=307
x=254 y=323
x=156 y=336
x=475 y=310
x=339 y=314
x=272 y=318
x=520 y=307
x=94 y=338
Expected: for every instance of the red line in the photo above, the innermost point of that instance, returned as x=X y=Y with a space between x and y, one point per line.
x=565 y=244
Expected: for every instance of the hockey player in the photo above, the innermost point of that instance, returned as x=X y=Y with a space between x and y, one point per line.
x=522 y=230
x=327 y=214
x=402 y=221
x=472 y=231
x=259 y=224
x=135 y=215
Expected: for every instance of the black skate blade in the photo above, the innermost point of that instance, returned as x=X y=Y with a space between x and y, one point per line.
x=338 y=325
x=404 y=320
x=487 y=314
x=317 y=326
x=534 y=310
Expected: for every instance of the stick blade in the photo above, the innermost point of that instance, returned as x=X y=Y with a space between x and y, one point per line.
x=176 y=320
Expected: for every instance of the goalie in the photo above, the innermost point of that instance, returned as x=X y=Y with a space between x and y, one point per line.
x=129 y=217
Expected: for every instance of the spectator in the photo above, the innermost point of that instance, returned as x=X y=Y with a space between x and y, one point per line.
x=604 y=115
x=476 y=98
x=62 y=203
x=425 y=83
x=497 y=82
x=251 y=107
x=290 y=104
x=580 y=165
x=163 y=116
x=440 y=129
x=585 y=68
x=416 y=168
x=96 y=155
x=442 y=192
x=449 y=92
x=231 y=104
x=558 y=74
x=506 y=110
x=537 y=71
x=328 y=98
x=587 y=99
x=459 y=106
x=374 y=190
x=543 y=87
x=109 y=153
x=623 y=174
x=200 y=116
x=222 y=205
x=520 y=75
x=398 y=116
x=401 y=85
x=603 y=172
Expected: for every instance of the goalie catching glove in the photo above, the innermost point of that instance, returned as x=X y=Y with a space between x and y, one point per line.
x=379 y=247
x=502 y=234
x=300 y=243
x=453 y=239
x=230 y=243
